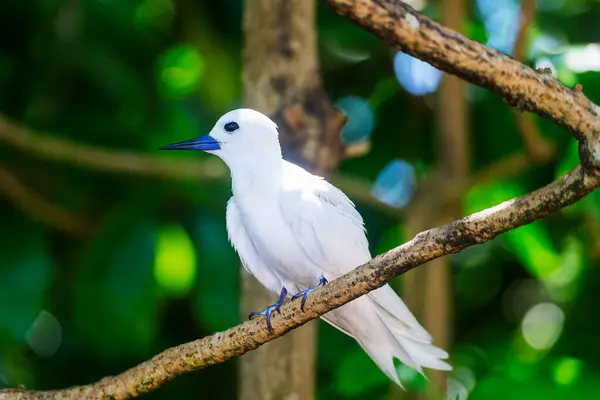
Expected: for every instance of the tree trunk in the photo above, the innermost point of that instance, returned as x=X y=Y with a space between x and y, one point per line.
x=428 y=291
x=281 y=79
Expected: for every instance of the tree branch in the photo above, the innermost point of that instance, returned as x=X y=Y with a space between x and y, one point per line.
x=40 y=208
x=415 y=34
x=49 y=147
x=401 y=26
x=90 y=157
x=428 y=245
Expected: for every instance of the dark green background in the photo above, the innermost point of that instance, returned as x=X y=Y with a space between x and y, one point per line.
x=135 y=75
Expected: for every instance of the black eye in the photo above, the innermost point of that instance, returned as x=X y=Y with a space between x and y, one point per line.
x=231 y=126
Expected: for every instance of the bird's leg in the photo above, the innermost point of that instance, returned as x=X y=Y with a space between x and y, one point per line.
x=269 y=309
x=304 y=293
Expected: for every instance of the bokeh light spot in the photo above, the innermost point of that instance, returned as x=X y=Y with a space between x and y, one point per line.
x=456 y=389
x=395 y=184
x=361 y=119
x=417 y=77
x=181 y=70
x=546 y=44
x=45 y=335
x=572 y=262
x=466 y=376
x=410 y=378
x=405 y=373
x=566 y=371
x=542 y=325
x=175 y=261
x=501 y=20
x=533 y=246
x=583 y=58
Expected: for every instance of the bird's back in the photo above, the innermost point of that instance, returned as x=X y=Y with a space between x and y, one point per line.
x=324 y=221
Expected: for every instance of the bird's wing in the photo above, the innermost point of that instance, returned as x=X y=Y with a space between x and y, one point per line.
x=243 y=244
x=325 y=222
x=332 y=234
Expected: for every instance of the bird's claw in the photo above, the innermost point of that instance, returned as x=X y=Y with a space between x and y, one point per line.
x=306 y=292
x=269 y=309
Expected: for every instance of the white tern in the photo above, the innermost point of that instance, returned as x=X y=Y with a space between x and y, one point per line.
x=293 y=229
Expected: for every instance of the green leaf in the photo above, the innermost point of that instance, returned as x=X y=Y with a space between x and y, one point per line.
x=564 y=283
x=475 y=30
x=358 y=374
x=115 y=288
x=530 y=243
x=480 y=197
x=533 y=247
x=216 y=300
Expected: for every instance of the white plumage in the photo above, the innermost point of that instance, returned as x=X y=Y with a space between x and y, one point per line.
x=290 y=227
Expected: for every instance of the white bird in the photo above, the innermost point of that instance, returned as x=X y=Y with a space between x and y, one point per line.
x=293 y=229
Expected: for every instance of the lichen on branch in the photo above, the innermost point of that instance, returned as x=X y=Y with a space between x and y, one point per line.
x=401 y=26
x=425 y=246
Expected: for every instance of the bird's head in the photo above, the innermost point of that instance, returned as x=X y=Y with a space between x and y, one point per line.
x=243 y=136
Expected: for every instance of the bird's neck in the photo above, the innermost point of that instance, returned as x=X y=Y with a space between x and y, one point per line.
x=260 y=181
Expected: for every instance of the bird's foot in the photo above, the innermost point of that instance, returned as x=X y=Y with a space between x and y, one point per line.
x=269 y=309
x=305 y=293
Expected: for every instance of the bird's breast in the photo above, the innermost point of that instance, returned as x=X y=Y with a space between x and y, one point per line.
x=275 y=242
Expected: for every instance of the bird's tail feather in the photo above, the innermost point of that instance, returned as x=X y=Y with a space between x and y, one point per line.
x=385 y=328
x=407 y=331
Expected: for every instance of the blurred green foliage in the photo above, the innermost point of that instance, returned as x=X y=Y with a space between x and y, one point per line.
x=157 y=269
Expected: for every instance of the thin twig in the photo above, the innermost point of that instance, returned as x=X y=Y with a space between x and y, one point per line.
x=539 y=149
x=46 y=146
x=40 y=208
x=400 y=25
x=85 y=156
x=49 y=147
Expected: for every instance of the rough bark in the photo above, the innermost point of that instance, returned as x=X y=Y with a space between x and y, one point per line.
x=429 y=290
x=281 y=79
x=428 y=245
x=518 y=84
x=401 y=26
